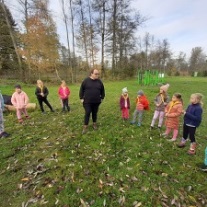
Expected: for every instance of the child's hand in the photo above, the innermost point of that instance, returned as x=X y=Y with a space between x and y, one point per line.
x=166 y=114
x=184 y=112
x=82 y=100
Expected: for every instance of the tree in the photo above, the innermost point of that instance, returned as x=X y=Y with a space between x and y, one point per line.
x=65 y=19
x=197 y=59
x=40 y=42
x=101 y=9
x=9 y=56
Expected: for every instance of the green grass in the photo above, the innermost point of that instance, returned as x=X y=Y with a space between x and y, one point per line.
x=47 y=162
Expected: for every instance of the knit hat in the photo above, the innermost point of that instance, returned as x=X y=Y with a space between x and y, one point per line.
x=140 y=92
x=165 y=87
x=124 y=90
x=17 y=86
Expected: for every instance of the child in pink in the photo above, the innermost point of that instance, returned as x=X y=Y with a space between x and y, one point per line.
x=173 y=112
x=20 y=100
x=161 y=101
x=124 y=104
x=64 y=93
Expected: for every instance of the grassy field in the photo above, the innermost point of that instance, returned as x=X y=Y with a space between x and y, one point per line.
x=47 y=162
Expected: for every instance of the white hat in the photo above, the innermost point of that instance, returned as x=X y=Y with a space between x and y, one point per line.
x=124 y=90
x=165 y=87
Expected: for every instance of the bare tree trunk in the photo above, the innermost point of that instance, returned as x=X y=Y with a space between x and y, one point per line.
x=14 y=42
x=84 y=32
x=68 y=41
x=147 y=44
x=114 y=49
x=25 y=6
x=91 y=33
x=73 y=39
x=103 y=39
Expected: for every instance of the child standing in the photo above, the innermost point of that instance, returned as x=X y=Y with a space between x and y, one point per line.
x=173 y=112
x=2 y=132
x=64 y=93
x=20 y=100
x=42 y=92
x=141 y=104
x=192 y=119
x=124 y=104
x=161 y=101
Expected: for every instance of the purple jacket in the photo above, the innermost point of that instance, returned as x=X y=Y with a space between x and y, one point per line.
x=122 y=102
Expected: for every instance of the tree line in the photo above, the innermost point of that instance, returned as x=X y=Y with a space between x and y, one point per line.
x=99 y=33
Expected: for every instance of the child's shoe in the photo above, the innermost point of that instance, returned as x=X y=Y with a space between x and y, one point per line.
x=172 y=140
x=20 y=121
x=4 y=134
x=138 y=124
x=182 y=143
x=192 y=150
x=132 y=122
x=204 y=168
x=164 y=135
x=27 y=117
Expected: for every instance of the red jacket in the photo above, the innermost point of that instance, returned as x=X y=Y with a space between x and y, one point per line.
x=143 y=100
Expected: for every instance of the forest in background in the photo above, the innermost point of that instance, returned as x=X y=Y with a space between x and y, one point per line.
x=100 y=33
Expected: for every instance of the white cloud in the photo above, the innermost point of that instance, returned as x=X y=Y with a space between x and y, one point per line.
x=182 y=22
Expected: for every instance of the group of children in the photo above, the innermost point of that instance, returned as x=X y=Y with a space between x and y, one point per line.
x=19 y=100
x=164 y=109
x=168 y=110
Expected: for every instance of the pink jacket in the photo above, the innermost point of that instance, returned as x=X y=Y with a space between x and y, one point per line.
x=64 y=92
x=19 y=100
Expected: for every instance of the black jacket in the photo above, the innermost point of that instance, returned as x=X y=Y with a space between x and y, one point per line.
x=92 y=90
x=38 y=91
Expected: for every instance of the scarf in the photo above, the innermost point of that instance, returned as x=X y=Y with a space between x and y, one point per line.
x=125 y=97
x=172 y=103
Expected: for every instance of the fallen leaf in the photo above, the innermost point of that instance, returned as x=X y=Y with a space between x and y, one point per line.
x=25 y=179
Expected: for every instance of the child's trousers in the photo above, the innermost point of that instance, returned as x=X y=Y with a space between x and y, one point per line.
x=125 y=113
x=20 y=111
x=189 y=130
x=160 y=115
x=1 y=122
x=138 y=113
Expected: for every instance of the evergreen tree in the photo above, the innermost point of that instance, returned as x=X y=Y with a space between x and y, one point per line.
x=8 y=59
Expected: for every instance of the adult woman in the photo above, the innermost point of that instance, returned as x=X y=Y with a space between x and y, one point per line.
x=91 y=94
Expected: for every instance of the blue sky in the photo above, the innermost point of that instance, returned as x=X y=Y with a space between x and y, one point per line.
x=182 y=22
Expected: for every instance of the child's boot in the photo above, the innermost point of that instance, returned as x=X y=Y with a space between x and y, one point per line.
x=84 y=129
x=182 y=143
x=192 y=149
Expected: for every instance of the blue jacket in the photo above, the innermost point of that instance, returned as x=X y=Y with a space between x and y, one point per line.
x=193 y=115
